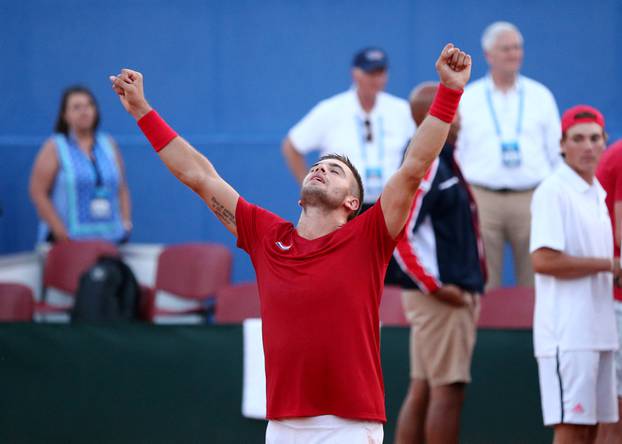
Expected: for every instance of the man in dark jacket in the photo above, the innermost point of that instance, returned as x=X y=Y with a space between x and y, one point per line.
x=442 y=274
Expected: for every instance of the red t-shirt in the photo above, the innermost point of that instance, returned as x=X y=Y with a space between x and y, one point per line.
x=319 y=307
x=609 y=174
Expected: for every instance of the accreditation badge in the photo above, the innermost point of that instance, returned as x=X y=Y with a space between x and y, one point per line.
x=510 y=154
x=100 y=206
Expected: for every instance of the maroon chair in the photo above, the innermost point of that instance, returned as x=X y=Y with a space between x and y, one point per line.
x=507 y=308
x=236 y=303
x=187 y=275
x=65 y=263
x=391 y=309
x=17 y=303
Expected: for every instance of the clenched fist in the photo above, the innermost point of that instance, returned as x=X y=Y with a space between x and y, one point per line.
x=129 y=86
x=453 y=67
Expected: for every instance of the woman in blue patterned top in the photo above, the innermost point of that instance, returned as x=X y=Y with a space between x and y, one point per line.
x=78 y=180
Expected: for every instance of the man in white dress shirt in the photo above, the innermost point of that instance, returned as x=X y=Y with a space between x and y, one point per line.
x=508 y=143
x=369 y=126
x=572 y=250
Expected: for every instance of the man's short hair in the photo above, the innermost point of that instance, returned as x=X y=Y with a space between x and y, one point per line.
x=357 y=177
x=420 y=87
x=492 y=32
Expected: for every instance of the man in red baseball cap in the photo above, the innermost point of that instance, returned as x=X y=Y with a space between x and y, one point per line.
x=571 y=247
x=609 y=174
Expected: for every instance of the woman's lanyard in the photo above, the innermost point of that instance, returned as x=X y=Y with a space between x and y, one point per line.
x=510 y=148
x=98 y=175
x=100 y=206
x=92 y=158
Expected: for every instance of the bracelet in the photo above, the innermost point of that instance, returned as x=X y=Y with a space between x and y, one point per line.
x=156 y=130
x=445 y=103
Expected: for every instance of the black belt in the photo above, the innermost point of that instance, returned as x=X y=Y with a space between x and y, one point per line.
x=505 y=190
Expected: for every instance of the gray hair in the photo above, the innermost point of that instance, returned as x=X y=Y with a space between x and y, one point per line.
x=492 y=32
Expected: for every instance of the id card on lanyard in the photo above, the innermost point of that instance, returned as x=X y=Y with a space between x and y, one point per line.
x=373 y=171
x=510 y=148
x=100 y=207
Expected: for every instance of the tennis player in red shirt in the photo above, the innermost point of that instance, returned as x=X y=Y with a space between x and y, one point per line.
x=320 y=281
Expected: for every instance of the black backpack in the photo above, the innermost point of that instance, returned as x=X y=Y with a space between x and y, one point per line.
x=108 y=291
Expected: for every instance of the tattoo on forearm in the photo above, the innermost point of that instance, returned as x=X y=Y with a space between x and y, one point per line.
x=222 y=213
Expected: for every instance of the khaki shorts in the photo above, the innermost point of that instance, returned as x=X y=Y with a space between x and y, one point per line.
x=442 y=338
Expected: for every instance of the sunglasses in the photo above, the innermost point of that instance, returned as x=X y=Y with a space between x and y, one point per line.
x=369 y=136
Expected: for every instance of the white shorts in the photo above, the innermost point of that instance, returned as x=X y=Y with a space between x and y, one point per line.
x=618 y=308
x=578 y=387
x=325 y=429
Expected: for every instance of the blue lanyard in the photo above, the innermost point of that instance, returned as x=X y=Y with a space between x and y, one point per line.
x=360 y=123
x=521 y=106
x=99 y=182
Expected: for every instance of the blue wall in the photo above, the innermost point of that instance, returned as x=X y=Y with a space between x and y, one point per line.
x=233 y=76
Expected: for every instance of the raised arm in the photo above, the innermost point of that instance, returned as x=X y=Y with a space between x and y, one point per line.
x=454 y=69
x=183 y=160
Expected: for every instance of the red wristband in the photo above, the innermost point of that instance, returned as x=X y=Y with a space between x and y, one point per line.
x=156 y=130
x=445 y=103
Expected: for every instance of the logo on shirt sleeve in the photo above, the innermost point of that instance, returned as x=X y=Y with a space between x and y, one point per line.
x=282 y=246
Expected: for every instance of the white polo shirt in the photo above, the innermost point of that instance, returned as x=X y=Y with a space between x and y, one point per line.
x=337 y=125
x=526 y=114
x=570 y=215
